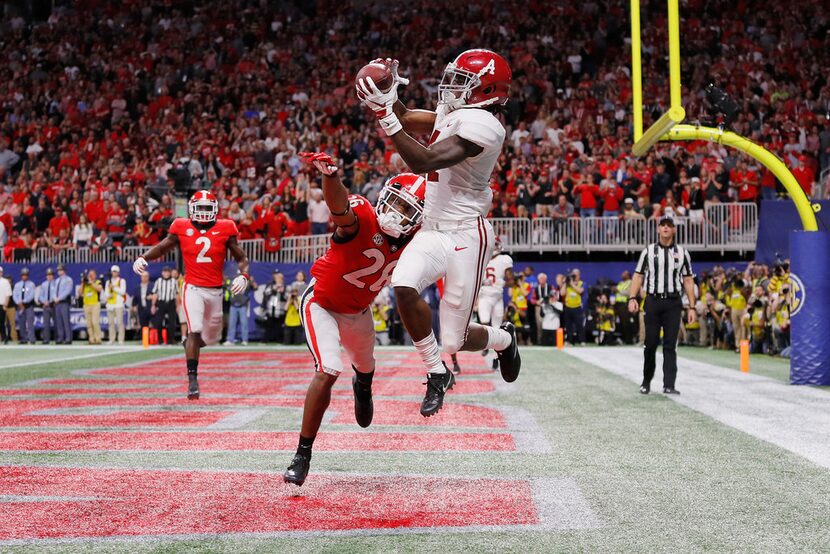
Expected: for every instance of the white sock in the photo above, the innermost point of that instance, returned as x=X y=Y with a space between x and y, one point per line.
x=498 y=339
x=430 y=354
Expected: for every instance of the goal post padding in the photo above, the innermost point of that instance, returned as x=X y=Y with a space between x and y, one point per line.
x=810 y=319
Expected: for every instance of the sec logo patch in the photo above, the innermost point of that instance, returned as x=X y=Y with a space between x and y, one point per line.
x=189 y=232
x=377 y=239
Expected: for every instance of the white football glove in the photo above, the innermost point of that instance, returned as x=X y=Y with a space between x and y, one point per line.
x=140 y=265
x=382 y=103
x=239 y=284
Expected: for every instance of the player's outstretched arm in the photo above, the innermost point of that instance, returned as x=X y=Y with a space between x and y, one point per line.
x=167 y=244
x=440 y=155
x=335 y=193
x=243 y=280
x=415 y=122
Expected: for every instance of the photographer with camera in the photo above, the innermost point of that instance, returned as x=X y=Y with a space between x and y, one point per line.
x=90 y=291
x=293 y=330
x=572 y=317
x=736 y=299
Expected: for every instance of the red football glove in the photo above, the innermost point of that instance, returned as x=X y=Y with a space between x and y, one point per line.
x=321 y=161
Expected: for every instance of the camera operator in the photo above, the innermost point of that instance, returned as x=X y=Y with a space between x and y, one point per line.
x=273 y=301
x=605 y=320
x=714 y=322
x=737 y=295
x=572 y=317
x=91 y=289
x=293 y=332
x=757 y=320
x=780 y=308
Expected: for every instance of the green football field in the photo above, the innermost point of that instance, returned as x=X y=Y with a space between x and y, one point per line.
x=100 y=452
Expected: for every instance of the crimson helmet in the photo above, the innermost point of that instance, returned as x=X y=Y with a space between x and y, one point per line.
x=400 y=206
x=203 y=207
x=476 y=78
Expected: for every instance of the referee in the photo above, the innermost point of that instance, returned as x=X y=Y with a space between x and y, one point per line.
x=663 y=271
x=164 y=304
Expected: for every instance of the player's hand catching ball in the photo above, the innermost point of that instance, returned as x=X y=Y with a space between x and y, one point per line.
x=371 y=84
x=239 y=284
x=140 y=265
x=321 y=161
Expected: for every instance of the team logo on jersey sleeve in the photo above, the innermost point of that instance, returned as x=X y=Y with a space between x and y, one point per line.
x=377 y=239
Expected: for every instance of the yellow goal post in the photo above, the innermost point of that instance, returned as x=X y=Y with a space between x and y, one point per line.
x=670 y=126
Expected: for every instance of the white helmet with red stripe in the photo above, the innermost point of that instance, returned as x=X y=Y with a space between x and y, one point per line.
x=203 y=207
x=400 y=206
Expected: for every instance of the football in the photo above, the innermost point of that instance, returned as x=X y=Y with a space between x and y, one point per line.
x=380 y=73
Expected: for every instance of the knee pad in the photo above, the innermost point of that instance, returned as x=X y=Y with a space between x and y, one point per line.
x=451 y=343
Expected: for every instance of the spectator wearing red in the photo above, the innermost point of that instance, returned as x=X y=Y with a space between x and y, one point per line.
x=587 y=194
x=275 y=227
x=804 y=174
x=611 y=195
x=58 y=222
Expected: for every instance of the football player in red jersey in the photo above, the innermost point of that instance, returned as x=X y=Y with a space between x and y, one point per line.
x=335 y=308
x=203 y=240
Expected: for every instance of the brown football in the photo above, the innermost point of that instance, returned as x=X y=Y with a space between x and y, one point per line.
x=380 y=74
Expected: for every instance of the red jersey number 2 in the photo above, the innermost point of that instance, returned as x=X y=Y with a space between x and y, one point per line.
x=201 y=258
x=378 y=261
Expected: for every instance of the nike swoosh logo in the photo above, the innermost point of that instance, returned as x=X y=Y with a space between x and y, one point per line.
x=215 y=233
x=457 y=249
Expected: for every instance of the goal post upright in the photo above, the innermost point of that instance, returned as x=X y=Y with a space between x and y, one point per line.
x=669 y=126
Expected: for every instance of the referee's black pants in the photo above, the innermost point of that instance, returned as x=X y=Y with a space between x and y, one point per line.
x=167 y=309
x=662 y=313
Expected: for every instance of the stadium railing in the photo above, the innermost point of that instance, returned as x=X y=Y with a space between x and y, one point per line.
x=731 y=227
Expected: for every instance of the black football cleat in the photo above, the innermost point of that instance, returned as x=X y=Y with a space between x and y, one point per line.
x=437 y=386
x=364 y=408
x=645 y=389
x=670 y=390
x=509 y=360
x=298 y=470
x=456 y=368
x=192 y=388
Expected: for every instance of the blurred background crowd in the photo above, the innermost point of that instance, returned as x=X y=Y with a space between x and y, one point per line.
x=109 y=110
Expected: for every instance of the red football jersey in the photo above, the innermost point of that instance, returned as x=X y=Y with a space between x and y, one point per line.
x=352 y=272
x=203 y=250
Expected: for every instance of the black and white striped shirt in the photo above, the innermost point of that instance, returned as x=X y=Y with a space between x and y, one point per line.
x=165 y=289
x=663 y=268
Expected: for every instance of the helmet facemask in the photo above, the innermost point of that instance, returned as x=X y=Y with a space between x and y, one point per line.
x=398 y=211
x=203 y=211
x=456 y=85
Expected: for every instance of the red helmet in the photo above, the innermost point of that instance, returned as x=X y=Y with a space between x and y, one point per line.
x=400 y=206
x=203 y=207
x=476 y=78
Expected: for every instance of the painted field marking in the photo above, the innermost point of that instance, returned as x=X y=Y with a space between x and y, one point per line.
x=794 y=418
x=146 y=505
x=208 y=441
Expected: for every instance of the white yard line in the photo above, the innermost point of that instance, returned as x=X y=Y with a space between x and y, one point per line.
x=796 y=418
x=68 y=358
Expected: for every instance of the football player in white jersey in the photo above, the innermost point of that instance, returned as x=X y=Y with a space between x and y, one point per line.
x=455 y=240
x=491 y=296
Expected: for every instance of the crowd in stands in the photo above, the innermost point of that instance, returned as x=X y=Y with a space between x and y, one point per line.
x=108 y=110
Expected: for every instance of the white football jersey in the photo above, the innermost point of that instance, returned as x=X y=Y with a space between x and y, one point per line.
x=493 y=283
x=463 y=191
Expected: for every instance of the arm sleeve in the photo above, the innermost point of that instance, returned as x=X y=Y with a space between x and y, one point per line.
x=480 y=127
x=686 y=268
x=641 y=263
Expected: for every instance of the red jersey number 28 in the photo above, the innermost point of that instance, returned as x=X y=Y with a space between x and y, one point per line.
x=378 y=260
